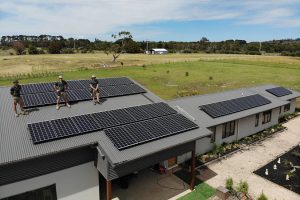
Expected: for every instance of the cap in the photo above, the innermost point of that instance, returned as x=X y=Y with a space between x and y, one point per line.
x=15 y=81
x=60 y=76
x=93 y=76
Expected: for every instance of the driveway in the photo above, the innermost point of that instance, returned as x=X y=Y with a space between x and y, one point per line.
x=241 y=165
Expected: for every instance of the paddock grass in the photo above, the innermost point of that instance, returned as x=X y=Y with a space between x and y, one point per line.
x=173 y=75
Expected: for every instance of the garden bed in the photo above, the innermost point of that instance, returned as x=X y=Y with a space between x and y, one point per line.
x=284 y=168
x=220 y=151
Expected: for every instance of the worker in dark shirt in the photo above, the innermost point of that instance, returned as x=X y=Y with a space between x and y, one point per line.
x=94 y=88
x=61 y=87
x=15 y=92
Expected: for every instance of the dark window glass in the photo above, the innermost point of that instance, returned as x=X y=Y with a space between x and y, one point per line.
x=228 y=129
x=213 y=135
x=267 y=116
x=287 y=107
x=46 y=193
x=256 y=120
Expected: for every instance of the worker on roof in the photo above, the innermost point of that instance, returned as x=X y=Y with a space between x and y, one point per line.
x=94 y=88
x=15 y=92
x=61 y=87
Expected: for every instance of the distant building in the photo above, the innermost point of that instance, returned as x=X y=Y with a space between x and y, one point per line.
x=158 y=51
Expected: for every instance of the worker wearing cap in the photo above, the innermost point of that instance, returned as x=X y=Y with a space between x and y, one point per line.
x=15 y=92
x=94 y=88
x=60 y=87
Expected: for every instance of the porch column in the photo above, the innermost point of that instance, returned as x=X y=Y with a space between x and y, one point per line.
x=108 y=190
x=193 y=164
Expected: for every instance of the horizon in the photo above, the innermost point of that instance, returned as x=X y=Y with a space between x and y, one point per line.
x=178 y=20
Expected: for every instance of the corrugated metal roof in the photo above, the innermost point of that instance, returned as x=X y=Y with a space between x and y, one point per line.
x=16 y=143
x=157 y=49
x=191 y=105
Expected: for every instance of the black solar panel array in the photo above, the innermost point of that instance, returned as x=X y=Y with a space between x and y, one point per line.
x=279 y=91
x=60 y=128
x=228 y=107
x=42 y=94
x=130 y=135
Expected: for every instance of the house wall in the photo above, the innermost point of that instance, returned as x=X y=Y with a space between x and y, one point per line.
x=292 y=108
x=75 y=183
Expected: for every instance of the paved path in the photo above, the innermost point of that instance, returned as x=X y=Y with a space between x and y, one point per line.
x=241 y=165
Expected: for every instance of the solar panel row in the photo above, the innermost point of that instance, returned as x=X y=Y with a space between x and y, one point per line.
x=141 y=132
x=74 y=85
x=60 y=128
x=49 y=98
x=279 y=91
x=228 y=107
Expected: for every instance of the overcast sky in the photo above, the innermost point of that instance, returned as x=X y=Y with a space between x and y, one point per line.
x=180 y=20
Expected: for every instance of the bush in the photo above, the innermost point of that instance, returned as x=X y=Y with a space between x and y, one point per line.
x=33 y=50
x=262 y=196
x=243 y=187
x=187 y=74
x=67 y=51
x=168 y=71
x=229 y=184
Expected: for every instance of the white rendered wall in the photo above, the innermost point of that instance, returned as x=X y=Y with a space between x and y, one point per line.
x=76 y=183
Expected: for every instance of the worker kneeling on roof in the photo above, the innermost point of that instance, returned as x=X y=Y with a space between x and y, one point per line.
x=94 y=88
x=15 y=92
x=60 y=87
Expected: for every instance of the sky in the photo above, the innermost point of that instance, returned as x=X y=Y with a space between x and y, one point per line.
x=155 y=20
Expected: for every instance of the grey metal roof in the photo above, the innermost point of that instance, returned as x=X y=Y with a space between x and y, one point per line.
x=16 y=143
x=262 y=90
x=191 y=106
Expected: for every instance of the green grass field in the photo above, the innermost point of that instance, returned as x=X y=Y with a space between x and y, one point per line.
x=175 y=75
x=201 y=192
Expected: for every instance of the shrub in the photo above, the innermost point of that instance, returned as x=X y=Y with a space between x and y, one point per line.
x=186 y=73
x=229 y=184
x=296 y=153
x=168 y=71
x=144 y=66
x=262 y=196
x=210 y=78
x=32 y=50
x=122 y=63
x=243 y=187
x=67 y=51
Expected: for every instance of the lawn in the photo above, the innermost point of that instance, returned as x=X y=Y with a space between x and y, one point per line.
x=201 y=192
x=199 y=74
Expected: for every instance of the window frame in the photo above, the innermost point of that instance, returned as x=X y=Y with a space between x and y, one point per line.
x=267 y=116
x=256 y=120
x=287 y=107
x=213 y=135
x=228 y=129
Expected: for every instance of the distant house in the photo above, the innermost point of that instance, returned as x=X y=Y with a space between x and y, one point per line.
x=159 y=51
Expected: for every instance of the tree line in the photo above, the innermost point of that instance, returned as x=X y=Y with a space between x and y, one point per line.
x=124 y=42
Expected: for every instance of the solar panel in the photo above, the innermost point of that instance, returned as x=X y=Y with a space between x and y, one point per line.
x=112 y=91
x=47 y=98
x=228 y=107
x=141 y=132
x=31 y=100
x=127 y=117
x=279 y=91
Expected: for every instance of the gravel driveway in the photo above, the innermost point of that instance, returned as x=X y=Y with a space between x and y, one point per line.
x=241 y=165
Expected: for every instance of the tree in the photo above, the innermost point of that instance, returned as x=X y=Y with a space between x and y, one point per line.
x=119 y=46
x=55 y=47
x=33 y=50
x=204 y=39
x=18 y=47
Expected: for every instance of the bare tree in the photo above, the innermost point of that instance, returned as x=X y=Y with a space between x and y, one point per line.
x=121 y=40
x=18 y=47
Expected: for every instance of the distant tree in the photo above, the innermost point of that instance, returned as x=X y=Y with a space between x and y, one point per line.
x=55 y=47
x=18 y=47
x=33 y=50
x=132 y=47
x=204 y=39
x=119 y=46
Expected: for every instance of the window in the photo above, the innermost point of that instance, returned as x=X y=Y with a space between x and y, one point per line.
x=213 y=135
x=280 y=109
x=228 y=129
x=256 y=120
x=46 y=193
x=267 y=116
x=287 y=107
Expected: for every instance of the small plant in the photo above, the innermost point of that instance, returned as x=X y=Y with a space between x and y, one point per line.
x=210 y=78
x=168 y=71
x=262 y=196
x=286 y=163
x=186 y=73
x=144 y=66
x=229 y=184
x=122 y=64
x=296 y=153
x=243 y=187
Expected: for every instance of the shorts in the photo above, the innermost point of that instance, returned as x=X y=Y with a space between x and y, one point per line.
x=61 y=94
x=92 y=91
x=17 y=99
